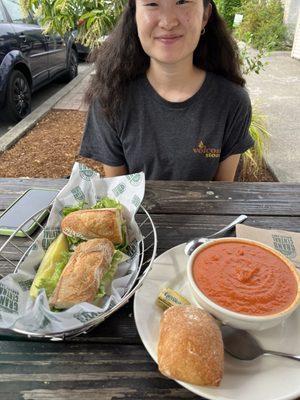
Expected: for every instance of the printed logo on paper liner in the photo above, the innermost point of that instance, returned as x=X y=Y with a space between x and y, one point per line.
x=285 y=245
x=49 y=236
x=86 y=316
x=134 y=179
x=78 y=194
x=9 y=299
x=85 y=172
x=119 y=189
x=26 y=285
x=136 y=201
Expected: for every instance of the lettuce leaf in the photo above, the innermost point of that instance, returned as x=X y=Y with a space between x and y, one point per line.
x=49 y=284
x=74 y=241
x=123 y=247
x=53 y=255
x=69 y=209
x=107 y=202
x=118 y=257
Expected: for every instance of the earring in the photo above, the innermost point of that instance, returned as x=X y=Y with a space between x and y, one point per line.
x=203 y=31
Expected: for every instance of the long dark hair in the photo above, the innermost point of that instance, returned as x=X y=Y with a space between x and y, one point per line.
x=121 y=58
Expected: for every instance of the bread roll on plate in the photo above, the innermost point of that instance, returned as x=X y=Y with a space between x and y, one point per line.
x=190 y=346
x=97 y=223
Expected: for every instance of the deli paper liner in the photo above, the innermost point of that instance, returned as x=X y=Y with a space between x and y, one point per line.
x=18 y=310
x=286 y=242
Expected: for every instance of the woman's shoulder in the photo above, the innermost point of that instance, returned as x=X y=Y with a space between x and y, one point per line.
x=228 y=89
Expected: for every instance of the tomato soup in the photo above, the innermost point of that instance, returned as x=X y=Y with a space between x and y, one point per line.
x=245 y=278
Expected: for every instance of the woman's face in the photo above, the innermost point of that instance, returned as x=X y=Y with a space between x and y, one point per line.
x=169 y=30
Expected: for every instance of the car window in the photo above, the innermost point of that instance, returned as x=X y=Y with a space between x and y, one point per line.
x=2 y=19
x=16 y=13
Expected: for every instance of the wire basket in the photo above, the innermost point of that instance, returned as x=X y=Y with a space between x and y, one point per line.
x=14 y=250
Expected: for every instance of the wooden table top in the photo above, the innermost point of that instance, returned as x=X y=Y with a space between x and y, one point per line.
x=110 y=362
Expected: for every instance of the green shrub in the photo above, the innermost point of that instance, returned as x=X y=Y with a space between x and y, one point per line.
x=252 y=61
x=262 y=24
x=229 y=9
x=92 y=18
x=252 y=163
x=253 y=159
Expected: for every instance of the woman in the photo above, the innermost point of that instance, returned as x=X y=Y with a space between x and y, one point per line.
x=167 y=97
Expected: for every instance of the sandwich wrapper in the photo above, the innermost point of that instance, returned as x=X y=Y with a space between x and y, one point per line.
x=286 y=242
x=19 y=311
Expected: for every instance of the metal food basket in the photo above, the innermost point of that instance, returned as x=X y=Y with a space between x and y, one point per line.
x=147 y=251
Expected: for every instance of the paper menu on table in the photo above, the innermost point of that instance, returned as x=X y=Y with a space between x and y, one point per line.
x=286 y=242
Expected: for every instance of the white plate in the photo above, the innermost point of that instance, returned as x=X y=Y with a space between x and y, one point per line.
x=266 y=378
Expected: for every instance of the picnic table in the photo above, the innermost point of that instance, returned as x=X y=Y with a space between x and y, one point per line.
x=110 y=362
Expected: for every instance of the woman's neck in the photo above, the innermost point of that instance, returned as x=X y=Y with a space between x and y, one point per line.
x=175 y=83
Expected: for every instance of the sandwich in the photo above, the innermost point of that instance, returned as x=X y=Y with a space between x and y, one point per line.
x=96 y=223
x=80 y=279
x=103 y=220
x=69 y=278
x=81 y=262
x=190 y=346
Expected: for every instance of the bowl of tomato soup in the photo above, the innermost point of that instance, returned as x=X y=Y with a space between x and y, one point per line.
x=243 y=283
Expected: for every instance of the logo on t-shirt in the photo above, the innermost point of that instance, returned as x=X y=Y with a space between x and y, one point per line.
x=208 y=152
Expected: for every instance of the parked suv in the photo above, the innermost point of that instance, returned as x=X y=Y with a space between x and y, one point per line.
x=29 y=59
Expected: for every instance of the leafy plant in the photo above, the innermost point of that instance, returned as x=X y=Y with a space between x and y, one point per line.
x=251 y=60
x=253 y=159
x=92 y=18
x=263 y=23
x=228 y=9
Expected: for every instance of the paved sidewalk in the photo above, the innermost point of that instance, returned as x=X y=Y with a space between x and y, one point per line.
x=74 y=99
x=276 y=91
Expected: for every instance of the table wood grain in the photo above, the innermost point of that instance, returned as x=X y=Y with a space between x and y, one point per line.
x=110 y=362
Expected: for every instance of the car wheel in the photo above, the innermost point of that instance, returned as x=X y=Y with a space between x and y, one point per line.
x=18 y=97
x=73 y=66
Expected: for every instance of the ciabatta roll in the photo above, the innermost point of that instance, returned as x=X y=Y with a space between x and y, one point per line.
x=190 y=346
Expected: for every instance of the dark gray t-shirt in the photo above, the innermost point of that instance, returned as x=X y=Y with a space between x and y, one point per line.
x=167 y=140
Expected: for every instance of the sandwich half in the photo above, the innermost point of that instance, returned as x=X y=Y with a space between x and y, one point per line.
x=81 y=277
x=95 y=223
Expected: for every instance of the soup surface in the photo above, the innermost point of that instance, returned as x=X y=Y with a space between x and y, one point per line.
x=245 y=278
